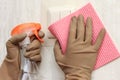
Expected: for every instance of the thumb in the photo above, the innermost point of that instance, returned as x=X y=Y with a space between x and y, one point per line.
x=58 y=52
x=41 y=34
x=12 y=48
x=99 y=39
x=17 y=38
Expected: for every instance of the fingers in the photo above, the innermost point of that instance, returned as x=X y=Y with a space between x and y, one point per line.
x=72 y=31
x=41 y=34
x=33 y=50
x=57 y=51
x=99 y=39
x=35 y=44
x=33 y=55
x=88 y=37
x=80 y=28
x=29 y=54
x=36 y=58
x=17 y=38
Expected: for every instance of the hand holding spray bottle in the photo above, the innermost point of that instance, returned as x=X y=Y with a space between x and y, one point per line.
x=49 y=69
x=30 y=68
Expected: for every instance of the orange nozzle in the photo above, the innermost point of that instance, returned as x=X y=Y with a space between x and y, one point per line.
x=27 y=27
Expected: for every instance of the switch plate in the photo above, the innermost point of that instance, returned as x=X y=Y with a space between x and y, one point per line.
x=56 y=13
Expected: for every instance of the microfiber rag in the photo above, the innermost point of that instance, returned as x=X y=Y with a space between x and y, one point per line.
x=60 y=30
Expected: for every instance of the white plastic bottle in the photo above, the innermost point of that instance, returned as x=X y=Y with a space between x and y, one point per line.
x=49 y=69
x=30 y=68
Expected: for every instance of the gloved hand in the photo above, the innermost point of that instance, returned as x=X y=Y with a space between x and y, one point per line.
x=10 y=69
x=33 y=49
x=80 y=57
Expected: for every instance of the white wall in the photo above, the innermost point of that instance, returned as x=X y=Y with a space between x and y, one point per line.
x=13 y=12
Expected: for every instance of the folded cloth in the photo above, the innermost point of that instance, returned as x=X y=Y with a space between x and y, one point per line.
x=60 y=29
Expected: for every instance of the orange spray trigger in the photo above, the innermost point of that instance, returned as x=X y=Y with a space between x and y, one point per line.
x=26 y=28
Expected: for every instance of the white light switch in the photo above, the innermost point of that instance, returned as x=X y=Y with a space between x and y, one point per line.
x=57 y=13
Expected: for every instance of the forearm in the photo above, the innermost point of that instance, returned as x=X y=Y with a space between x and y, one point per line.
x=10 y=69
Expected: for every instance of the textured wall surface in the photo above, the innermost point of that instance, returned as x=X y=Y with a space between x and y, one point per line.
x=13 y=12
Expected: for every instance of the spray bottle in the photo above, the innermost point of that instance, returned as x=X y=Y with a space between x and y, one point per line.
x=49 y=69
x=30 y=68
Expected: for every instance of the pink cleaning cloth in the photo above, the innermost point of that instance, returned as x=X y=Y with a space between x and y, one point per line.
x=60 y=29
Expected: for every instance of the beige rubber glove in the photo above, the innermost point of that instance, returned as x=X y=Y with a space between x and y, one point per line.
x=80 y=57
x=10 y=69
